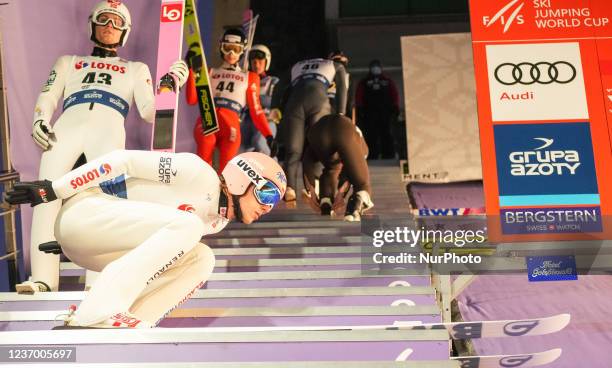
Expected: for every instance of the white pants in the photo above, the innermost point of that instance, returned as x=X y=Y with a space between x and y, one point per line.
x=78 y=130
x=149 y=255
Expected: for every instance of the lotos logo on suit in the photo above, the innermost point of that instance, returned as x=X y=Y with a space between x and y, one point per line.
x=104 y=170
x=186 y=208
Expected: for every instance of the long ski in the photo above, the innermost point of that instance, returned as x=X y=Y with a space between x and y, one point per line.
x=510 y=361
x=166 y=91
x=486 y=329
x=196 y=59
x=249 y=23
x=456 y=330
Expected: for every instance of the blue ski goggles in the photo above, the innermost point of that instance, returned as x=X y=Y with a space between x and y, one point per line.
x=268 y=194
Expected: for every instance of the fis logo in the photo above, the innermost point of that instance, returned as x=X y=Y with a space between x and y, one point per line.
x=541 y=161
x=104 y=170
x=506 y=16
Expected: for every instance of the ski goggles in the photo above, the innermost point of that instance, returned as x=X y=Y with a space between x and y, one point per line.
x=268 y=194
x=256 y=54
x=116 y=20
x=236 y=48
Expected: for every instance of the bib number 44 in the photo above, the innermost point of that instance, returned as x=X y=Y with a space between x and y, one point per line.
x=223 y=86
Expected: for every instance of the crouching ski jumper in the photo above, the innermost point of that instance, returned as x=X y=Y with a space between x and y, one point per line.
x=338 y=144
x=138 y=217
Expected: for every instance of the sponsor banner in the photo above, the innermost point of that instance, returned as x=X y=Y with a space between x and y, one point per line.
x=98 y=96
x=543 y=71
x=429 y=212
x=512 y=20
x=545 y=164
x=547 y=220
x=538 y=81
x=552 y=268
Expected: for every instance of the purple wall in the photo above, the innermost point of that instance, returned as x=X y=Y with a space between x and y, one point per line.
x=35 y=34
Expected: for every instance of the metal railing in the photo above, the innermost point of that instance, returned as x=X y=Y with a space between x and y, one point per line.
x=7 y=177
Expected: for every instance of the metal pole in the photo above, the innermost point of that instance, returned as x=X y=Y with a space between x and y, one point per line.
x=8 y=177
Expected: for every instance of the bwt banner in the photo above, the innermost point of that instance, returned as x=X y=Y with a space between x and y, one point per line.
x=543 y=72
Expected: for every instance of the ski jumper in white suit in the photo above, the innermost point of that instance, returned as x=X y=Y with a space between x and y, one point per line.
x=96 y=93
x=142 y=230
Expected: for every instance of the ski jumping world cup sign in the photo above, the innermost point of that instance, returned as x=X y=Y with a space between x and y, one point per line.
x=543 y=72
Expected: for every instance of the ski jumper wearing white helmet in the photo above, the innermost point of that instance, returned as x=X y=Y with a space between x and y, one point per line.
x=262 y=171
x=261 y=52
x=117 y=8
x=95 y=93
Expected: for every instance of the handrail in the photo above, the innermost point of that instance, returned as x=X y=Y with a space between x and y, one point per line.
x=8 y=176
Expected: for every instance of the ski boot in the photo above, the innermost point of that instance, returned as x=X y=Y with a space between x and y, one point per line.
x=358 y=203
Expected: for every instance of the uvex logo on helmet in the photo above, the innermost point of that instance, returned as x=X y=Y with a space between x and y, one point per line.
x=104 y=170
x=253 y=175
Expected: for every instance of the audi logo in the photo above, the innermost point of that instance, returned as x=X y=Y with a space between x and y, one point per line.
x=541 y=72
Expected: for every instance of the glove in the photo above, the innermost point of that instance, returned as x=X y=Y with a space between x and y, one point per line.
x=33 y=192
x=41 y=132
x=193 y=62
x=275 y=116
x=273 y=145
x=180 y=71
x=52 y=247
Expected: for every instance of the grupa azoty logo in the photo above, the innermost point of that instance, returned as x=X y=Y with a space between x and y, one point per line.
x=543 y=160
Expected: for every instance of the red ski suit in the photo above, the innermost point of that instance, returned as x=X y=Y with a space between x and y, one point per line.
x=231 y=89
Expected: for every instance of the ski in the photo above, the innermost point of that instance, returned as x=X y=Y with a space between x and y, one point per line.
x=248 y=28
x=507 y=361
x=166 y=91
x=487 y=329
x=196 y=59
x=456 y=330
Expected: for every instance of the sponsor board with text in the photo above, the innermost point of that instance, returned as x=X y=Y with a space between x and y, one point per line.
x=543 y=71
x=547 y=220
x=552 y=268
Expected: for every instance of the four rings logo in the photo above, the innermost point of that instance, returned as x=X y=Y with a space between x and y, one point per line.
x=541 y=72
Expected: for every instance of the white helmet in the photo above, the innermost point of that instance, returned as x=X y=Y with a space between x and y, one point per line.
x=114 y=7
x=258 y=169
x=256 y=51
